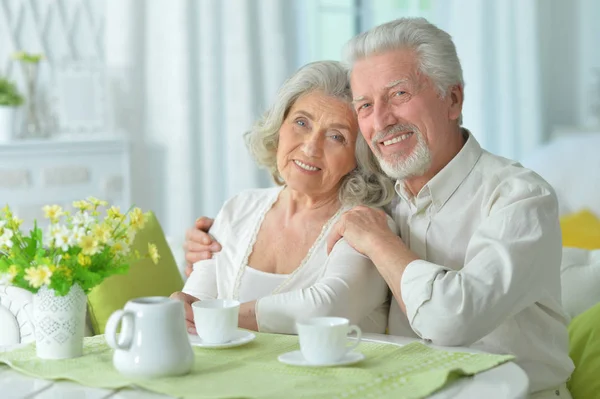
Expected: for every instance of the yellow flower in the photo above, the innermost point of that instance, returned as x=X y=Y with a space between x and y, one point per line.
x=65 y=271
x=8 y=277
x=96 y=202
x=53 y=212
x=15 y=223
x=119 y=248
x=89 y=245
x=38 y=276
x=137 y=219
x=102 y=232
x=13 y=270
x=153 y=252
x=114 y=212
x=84 y=260
x=66 y=256
x=82 y=205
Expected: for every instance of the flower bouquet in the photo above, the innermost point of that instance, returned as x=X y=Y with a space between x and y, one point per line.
x=76 y=252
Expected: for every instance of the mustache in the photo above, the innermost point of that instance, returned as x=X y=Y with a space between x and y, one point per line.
x=399 y=128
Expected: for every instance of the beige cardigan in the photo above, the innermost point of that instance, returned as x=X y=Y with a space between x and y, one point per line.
x=344 y=284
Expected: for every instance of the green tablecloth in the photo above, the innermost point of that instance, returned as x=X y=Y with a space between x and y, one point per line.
x=253 y=371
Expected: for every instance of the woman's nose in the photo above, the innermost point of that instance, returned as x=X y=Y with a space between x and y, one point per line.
x=313 y=146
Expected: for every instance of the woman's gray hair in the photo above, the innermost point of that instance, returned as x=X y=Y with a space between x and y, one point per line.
x=434 y=47
x=366 y=184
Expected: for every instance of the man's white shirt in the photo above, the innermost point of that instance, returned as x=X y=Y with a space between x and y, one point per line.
x=488 y=235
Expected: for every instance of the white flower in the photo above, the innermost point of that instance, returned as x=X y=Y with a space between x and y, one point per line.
x=83 y=219
x=119 y=248
x=50 y=236
x=5 y=239
x=63 y=238
x=76 y=234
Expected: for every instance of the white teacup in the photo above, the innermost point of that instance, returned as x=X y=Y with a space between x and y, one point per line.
x=216 y=320
x=325 y=339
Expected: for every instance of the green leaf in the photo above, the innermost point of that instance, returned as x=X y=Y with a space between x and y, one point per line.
x=9 y=94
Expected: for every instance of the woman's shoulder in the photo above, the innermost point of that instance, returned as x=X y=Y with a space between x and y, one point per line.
x=249 y=202
x=253 y=197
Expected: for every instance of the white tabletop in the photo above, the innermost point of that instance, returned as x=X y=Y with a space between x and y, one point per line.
x=505 y=381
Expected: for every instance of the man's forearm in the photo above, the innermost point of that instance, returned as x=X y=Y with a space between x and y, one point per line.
x=391 y=257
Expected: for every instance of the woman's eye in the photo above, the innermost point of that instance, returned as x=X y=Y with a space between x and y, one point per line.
x=301 y=122
x=338 y=137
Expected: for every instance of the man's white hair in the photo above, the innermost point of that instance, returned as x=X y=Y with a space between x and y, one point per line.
x=435 y=50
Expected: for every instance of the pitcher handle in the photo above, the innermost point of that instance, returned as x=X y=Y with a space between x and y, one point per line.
x=111 y=330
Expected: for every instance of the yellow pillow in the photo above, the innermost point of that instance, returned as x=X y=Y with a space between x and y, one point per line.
x=581 y=230
x=144 y=278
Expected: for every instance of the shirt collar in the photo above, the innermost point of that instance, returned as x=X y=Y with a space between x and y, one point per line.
x=446 y=181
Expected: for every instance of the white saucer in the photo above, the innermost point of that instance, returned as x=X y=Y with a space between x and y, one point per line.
x=295 y=358
x=241 y=337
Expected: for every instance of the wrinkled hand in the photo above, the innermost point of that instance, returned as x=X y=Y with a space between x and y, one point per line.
x=361 y=226
x=199 y=245
x=187 y=306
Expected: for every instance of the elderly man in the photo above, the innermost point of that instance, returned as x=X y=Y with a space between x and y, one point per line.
x=477 y=261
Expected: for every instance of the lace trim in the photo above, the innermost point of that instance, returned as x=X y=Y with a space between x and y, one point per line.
x=310 y=251
x=242 y=269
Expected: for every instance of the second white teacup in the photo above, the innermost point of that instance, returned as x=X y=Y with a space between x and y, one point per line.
x=216 y=320
x=324 y=340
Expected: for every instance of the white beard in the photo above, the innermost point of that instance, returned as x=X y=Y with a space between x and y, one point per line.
x=413 y=165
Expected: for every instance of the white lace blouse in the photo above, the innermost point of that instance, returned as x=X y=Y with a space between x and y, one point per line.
x=344 y=284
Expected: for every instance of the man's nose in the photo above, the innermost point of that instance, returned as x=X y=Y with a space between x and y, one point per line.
x=383 y=116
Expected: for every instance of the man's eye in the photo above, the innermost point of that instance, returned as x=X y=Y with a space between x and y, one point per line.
x=399 y=93
x=364 y=106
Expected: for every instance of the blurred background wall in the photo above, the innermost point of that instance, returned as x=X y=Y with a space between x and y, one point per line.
x=146 y=102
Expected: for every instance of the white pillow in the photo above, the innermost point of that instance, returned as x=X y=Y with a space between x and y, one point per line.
x=571 y=164
x=580 y=280
x=16 y=316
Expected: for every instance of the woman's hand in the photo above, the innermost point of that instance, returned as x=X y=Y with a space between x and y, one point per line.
x=199 y=245
x=187 y=306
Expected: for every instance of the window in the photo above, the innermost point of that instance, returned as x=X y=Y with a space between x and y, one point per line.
x=329 y=24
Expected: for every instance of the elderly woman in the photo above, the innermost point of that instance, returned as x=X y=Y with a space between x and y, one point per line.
x=274 y=252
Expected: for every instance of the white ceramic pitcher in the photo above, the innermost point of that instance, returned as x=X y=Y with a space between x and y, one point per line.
x=153 y=341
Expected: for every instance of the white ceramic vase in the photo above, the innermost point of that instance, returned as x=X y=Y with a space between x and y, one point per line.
x=59 y=323
x=7 y=118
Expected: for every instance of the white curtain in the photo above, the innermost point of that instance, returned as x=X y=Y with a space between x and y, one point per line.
x=498 y=45
x=188 y=78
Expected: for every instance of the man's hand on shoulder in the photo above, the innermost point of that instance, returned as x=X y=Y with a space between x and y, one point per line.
x=199 y=245
x=362 y=227
x=368 y=232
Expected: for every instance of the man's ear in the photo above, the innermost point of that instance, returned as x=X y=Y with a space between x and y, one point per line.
x=455 y=96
